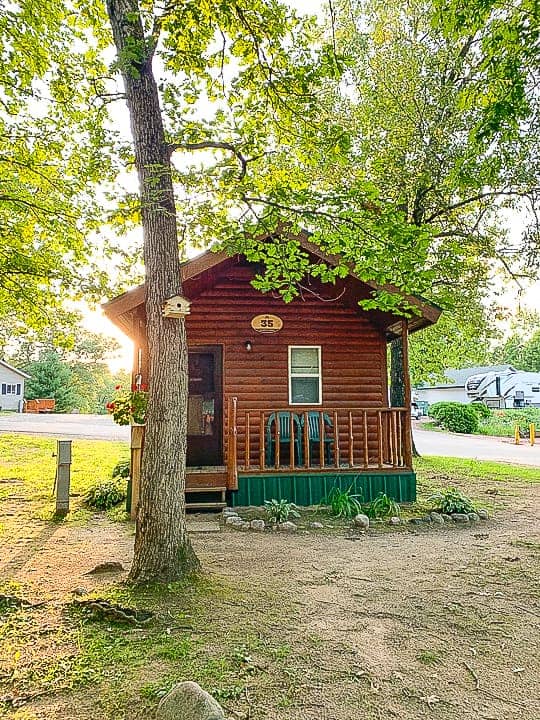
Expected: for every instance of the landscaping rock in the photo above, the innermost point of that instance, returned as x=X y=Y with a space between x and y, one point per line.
x=234 y=520
x=394 y=520
x=416 y=521
x=316 y=526
x=446 y=517
x=473 y=517
x=244 y=525
x=483 y=514
x=257 y=525
x=287 y=527
x=188 y=701
x=436 y=518
x=80 y=591
x=460 y=518
x=426 y=519
x=362 y=522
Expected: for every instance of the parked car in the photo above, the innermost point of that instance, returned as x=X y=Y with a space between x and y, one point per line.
x=416 y=412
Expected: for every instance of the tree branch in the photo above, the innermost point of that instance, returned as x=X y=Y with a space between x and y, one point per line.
x=215 y=144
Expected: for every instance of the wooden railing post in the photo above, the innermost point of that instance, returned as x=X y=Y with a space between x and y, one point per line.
x=307 y=459
x=262 y=443
x=291 y=443
x=232 y=458
x=336 y=440
x=366 y=440
x=351 y=441
x=380 y=438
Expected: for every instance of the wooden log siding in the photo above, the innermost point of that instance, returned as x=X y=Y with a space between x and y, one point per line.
x=353 y=351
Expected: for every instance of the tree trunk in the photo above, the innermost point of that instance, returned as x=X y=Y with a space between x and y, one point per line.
x=162 y=548
x=397 y=381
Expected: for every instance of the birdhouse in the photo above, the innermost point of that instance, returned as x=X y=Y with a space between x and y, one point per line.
x=176 y=307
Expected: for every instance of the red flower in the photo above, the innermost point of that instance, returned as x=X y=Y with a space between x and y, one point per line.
x=133 y=388
x=144 y=387
x=118 y=387
x=110 y=406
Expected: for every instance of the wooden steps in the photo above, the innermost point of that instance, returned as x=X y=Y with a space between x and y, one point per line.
x=218 y=504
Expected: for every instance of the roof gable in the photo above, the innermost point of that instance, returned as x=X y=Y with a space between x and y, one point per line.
x=119 y=309
x=15 y=370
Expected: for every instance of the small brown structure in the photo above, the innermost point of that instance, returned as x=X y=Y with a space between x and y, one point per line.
x=43 y=405
x=285 y=400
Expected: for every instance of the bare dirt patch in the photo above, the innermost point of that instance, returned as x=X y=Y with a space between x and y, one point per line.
x=430 y=622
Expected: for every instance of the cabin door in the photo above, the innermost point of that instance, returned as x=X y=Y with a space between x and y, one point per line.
x=205 y=408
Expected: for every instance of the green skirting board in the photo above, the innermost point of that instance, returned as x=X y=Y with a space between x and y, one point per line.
x=310 y=489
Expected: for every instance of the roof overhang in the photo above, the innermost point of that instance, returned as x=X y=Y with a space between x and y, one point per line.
x=120 y=309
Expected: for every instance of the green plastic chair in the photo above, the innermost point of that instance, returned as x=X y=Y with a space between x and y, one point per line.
x=314 y=434
x=284 y=419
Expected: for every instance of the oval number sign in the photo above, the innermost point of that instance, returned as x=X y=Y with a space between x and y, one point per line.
x=267 y=323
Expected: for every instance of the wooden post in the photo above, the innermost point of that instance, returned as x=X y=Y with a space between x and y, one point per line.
x=351 y=441
x=63 y=468
x=137 y=442
x=336 y=441
x=366 y=440
x=232 y=475
x=407 y=450
x=307 y=459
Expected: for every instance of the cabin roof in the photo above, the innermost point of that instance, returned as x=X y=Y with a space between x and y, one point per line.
x=120 y=309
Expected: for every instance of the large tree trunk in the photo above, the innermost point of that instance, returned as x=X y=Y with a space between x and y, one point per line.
x=162 y=549
x=397 y=381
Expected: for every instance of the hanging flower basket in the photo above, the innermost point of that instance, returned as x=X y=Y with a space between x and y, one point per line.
x=128 y=407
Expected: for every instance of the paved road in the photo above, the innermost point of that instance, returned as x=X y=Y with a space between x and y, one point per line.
x=96 y=427
x=479 y=447
x=102 y=427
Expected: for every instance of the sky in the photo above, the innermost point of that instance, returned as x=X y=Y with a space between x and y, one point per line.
x=95 y=320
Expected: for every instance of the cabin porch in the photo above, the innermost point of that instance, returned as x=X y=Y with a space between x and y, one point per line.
x=299 y=455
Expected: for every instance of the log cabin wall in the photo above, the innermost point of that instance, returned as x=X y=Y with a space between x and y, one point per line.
x=353 y=349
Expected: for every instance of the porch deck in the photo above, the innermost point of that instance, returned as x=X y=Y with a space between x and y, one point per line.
x=316 y=439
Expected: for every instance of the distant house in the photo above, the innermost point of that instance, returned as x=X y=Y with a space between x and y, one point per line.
x=498 y=386
x=11 y=387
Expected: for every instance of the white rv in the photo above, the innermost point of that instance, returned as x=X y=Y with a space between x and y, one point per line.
x=509 y=389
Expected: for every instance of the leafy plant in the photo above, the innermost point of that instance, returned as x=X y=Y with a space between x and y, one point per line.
x=382 y=506
x=482 y=410
x=279 y=511
x=129 y=406
x=455 y=417
x=121 y=469
x=105 y=495
x=451 y=500
x=342 y=503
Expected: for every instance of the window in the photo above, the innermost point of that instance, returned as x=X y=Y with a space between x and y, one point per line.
x=11 y=389
x=305 y=375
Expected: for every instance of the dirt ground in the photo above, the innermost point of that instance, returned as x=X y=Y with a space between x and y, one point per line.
x=424 y=622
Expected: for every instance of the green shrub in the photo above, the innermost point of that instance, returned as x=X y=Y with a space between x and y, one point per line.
x=122 y=469
x=342 y=503
x=456 y=417
x=105 y=495
x=279 y=511
x=482 y=410
x=382 y=506
x=451 y=500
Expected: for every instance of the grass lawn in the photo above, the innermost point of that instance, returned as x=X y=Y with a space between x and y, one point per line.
x=305 y=627
x=27 y=464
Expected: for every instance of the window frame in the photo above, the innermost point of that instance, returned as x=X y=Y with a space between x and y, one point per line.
x=305 y=375
x=11 y=388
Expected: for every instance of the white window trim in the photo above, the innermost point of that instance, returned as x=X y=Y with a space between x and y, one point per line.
x=309 y=375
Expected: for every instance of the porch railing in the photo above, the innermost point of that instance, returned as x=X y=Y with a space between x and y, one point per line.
x=317 y=438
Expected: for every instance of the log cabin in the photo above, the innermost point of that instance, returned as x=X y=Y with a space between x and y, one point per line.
x=286 y=400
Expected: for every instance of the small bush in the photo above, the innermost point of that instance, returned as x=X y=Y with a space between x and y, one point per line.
x=482 y=410
x=456 y=417
x=105 y=495
x=451 y=500
x=382 y=506
x=279 y=511
x=121 y=469
x=342 y=503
